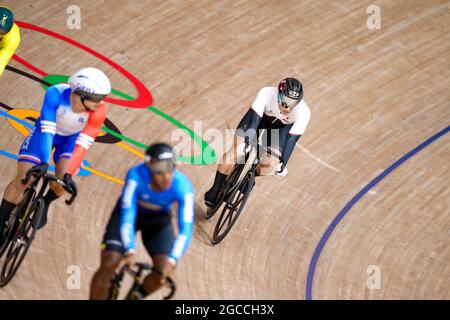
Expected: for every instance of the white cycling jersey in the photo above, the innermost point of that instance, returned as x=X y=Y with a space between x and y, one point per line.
x=266 y=103
x=67 y=121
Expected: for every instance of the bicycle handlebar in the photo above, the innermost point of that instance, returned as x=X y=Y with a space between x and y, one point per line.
x=51 y=177
x=27 y=178
x=269 y=151
x=140 y=267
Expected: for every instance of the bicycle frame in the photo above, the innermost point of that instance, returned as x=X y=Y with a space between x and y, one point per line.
x=40 y=195
x=235 y=200
x=259 y=151
x=47 y=178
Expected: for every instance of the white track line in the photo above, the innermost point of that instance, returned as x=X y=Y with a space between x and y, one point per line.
x=317 y=159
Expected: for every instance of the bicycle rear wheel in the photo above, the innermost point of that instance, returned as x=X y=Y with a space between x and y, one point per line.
x=230 y=182
x=233 y=208
x=19 y=243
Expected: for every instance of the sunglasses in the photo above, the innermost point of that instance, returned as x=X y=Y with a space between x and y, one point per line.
x=285 y=104
x=160 y=167
x=90 y=96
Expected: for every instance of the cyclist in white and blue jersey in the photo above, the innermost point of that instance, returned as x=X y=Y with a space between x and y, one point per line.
x=70 y=119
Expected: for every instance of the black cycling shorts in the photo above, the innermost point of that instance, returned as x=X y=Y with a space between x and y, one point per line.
x=276 y=134
x=156 y=232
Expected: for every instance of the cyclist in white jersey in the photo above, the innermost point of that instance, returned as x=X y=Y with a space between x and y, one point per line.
x=284 y=114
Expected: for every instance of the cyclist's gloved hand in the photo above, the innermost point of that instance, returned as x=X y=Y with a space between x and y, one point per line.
x=281 y=170
x=129 y=258
x=71 y=186
x=38 y=170
x=172 y=262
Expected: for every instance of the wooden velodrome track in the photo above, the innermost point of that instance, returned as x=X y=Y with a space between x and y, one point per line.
x=375 y=95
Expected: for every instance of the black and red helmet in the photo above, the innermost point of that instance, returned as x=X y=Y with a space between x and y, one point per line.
x=291 y=88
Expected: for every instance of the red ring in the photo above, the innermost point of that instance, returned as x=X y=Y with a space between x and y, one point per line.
x=144 y=98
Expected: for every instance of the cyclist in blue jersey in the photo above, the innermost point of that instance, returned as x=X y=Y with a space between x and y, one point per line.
x=150 y=190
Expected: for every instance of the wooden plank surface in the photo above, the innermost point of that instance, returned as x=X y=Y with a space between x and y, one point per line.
x=374 y=96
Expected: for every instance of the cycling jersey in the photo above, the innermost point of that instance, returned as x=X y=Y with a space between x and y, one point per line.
x=8 y=46
x=265 y=114
x=58 y=126
x=137 y=195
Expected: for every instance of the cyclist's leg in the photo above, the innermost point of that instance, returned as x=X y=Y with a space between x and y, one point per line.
x=275 y=139
x=55 y=191
x=158 y=242
x=111 y=256
x=28 y=157
x=64 y=147
x=230 y=157
x=224 y=169
x=14 y=190
x=228 y=160
x=101 y=281
x=61 y=157
x=13 y=194
x=155 y=280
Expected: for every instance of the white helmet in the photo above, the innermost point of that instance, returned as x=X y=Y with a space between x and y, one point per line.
x=90 y=81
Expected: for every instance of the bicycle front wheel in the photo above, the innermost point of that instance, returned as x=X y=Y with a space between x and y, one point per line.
x=233 y=208
x=228 y=185
x=13 y=221
x=19 y=243
x=113 y=292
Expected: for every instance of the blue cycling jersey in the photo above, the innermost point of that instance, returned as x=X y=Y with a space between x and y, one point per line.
x=138 y=196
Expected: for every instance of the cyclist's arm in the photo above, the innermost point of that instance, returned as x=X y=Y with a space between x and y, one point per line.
x=48 y=122
x=289 y=147
x=10 y=44
x=251 y=130
x=295 y=133
x=257 y=108
x=86 y=138
x=129 y=212
x=185 y=225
